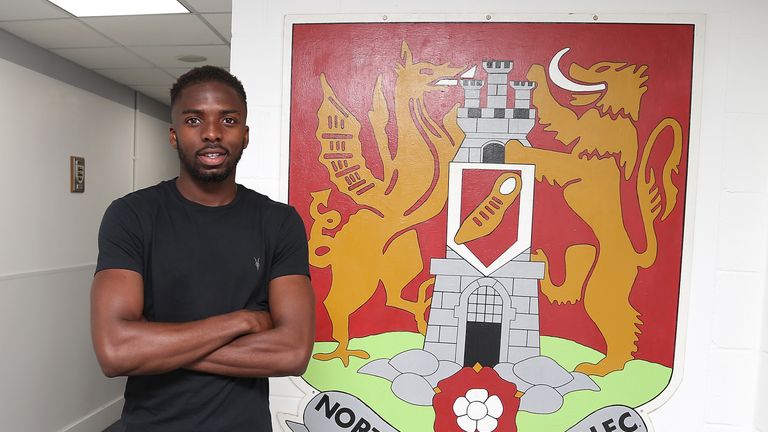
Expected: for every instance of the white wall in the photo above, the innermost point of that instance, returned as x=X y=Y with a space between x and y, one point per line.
x=726 y=364
x=49 y=377
x=155 y=159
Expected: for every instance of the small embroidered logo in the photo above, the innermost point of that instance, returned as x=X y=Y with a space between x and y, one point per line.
x=257 y=262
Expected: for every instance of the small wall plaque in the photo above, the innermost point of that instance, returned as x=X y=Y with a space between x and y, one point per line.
x=77 y=174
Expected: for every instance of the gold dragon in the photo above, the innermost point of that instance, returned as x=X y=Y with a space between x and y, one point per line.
x=600 y=153
x=378 y=244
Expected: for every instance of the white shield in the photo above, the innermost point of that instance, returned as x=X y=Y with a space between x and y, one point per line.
x=523 y=242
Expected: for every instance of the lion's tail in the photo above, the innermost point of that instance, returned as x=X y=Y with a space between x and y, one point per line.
x=648 y=192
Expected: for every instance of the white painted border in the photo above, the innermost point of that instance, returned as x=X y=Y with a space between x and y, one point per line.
x=697 y=20
x=524 y=224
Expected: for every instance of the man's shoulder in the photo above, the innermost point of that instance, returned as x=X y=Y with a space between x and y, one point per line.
x=261 y=201
x=144 y=201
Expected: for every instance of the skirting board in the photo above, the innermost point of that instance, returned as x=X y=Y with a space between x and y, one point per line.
x=99 y=419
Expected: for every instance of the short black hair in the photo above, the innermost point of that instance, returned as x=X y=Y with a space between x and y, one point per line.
x=204 y=74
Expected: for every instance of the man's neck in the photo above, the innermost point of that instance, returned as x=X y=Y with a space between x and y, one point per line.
x=210 y=194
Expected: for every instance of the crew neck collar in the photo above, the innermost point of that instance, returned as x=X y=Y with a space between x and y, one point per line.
x=172 y=185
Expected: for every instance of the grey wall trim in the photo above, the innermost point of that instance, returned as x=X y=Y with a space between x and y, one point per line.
x=34 y=273
x=30 y=56
x=153 y=108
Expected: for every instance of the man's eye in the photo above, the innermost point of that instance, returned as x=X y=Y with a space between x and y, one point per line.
x=193 y=121
x=230 y=120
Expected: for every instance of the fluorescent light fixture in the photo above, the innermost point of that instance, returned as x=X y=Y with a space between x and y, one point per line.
x=92 y=8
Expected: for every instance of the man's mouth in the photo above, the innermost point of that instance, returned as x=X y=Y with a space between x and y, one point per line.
x=212 y=158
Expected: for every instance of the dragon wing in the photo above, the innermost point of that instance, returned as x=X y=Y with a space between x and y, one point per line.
x=338 y=133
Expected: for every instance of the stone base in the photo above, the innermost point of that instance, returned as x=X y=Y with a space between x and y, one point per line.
x=496 y=310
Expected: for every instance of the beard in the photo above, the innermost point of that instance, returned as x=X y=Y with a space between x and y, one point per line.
x=203 y=173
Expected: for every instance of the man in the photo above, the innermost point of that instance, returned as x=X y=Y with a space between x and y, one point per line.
x=201 y=287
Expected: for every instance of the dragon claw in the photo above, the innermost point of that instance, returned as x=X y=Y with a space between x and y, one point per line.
x=342 y=354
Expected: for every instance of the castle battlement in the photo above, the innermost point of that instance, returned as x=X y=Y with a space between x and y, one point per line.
x=522 y=85
x=472 y=84
x=472 y=89
x=498 y=66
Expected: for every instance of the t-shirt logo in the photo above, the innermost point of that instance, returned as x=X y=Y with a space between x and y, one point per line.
x=257 y=263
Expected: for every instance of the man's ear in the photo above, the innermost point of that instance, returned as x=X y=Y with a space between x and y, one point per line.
x=172 y=139
x=246 y=137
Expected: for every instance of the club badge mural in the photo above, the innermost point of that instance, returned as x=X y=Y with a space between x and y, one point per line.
x=495 y=218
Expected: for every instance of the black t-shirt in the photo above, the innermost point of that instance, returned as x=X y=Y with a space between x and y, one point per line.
x=196 y=262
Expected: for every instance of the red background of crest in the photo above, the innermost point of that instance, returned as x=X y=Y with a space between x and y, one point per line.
x=353 y=55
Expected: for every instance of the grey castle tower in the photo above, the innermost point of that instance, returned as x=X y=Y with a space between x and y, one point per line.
x=474 y=317
x=488 y=128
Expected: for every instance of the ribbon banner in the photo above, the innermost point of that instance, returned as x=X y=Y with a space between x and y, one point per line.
x=337 y=411
x=612 y=418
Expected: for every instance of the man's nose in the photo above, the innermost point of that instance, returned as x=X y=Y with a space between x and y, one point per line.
x=212 y=132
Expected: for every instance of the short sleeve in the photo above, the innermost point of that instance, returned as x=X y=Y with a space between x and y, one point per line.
x=120 y=240
x=291 y=255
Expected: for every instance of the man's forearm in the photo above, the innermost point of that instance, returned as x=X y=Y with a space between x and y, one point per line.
x=141 y=347
x=275 y=352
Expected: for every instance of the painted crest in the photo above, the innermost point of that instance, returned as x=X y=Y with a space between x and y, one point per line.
x=495 y=225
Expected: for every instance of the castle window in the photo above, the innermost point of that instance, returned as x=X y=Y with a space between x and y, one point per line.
x=473 y=112
x=485 y=306
x=521 y=113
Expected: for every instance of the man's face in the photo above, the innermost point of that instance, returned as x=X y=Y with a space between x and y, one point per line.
x=208 y=130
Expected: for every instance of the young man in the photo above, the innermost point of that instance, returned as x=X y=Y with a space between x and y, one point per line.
x=201 y=287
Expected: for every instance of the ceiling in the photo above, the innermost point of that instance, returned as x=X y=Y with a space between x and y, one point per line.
x=139 y=51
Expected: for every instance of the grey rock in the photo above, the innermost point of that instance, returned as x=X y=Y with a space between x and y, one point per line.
x=413 y=389
x=580 y=382
x=296 y=427
x=445 y=369
x=379 y=368
x=541 y=399
x=415 y=361
x=542 y=370
x=507 y=372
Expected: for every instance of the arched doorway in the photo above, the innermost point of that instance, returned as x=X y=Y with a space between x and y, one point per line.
x=483 y=331
x=493 y=152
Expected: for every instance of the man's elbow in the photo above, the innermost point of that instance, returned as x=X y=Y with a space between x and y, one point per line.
x=110 y=369
x=297 y=362
x=111 y=362
x=111 y=372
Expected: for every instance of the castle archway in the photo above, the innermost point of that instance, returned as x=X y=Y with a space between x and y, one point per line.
x=483 y=334
x=484 y=312
x=493 y=152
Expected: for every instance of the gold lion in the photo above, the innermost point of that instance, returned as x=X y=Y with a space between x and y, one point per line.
x=602 y=156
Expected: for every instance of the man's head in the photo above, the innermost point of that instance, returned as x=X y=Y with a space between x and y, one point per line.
x=203 y=74
x=208 y=129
